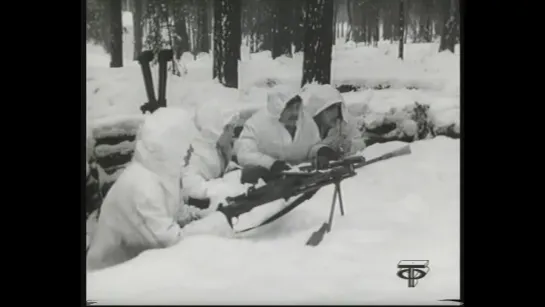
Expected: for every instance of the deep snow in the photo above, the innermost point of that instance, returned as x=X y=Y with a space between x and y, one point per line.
x=434 y=75
x=120 y=91
x=424 y=75
x=406 y=208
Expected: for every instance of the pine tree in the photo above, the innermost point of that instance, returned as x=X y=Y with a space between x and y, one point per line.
x=116 y=34
x=227 y=40
x=318 y=42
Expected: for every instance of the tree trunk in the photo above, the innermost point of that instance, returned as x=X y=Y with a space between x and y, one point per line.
x=358 y=21
x=265 y=25
x=138 y=8
x=428 y=25
x=181 y=42
x=249 y=16
x=116 y=34
x=349 y=16
x=386 y=24
x=203 y=36
x=366 y=26
x=191 y=33
x=413 y=18
x=227 y=40
x=438 y=21
x=401 y=27
x=395 y=19
x=377 y=32
x=341 y=23
x=195 y=29
x=424 y=21
x=235 y=39
x=458 y=22
x=406 y=6
x=318 y=39
x=268 y=35
x=428 y=32
x=334 y=29
x=448 y=35
x=210 y=24
x=105 y=26
x=298 y=25
x=218 y=40
x=376 y=26
x=282 y=37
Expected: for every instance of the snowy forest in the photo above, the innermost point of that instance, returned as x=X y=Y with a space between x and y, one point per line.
x=281 y=27
x=400 y=89
x=395 y=65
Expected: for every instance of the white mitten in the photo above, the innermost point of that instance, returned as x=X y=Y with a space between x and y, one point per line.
x=187 y=214
x=216 y=201
x=260 y=183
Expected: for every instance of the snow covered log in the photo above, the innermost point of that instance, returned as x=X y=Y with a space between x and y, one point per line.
x=113 y=145
x=389 y=127
x=116 y=129
x=345 y=88
x=407 y=122
x=110 y=157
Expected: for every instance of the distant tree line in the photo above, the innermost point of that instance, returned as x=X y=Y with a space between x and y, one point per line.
x=279 y=26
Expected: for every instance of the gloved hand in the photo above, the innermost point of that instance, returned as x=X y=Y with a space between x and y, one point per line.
x=218 y=200
x=324 y=155
x=279 y=166
x=214 y=203
x=199 y=203
x=251 y=174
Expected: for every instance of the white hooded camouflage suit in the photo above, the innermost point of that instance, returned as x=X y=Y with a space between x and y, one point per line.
x=264 y=138
x=318 y=97
x=143 y=209
x=207 y=161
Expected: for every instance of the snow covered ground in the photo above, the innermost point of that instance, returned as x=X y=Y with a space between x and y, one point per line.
x=425 y=76
x=406 y=208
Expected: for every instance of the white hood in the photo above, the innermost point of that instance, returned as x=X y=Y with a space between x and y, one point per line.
x=211 y=118
x=318 y=97
x=278 y=97
x=163 y=142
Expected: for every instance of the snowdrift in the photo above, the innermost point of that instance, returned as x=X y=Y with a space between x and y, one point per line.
x=371 y=78
x=406 y=208
x=417 y=98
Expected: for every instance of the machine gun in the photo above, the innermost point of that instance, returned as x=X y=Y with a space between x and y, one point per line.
x=305 y=183
x=289 y=185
